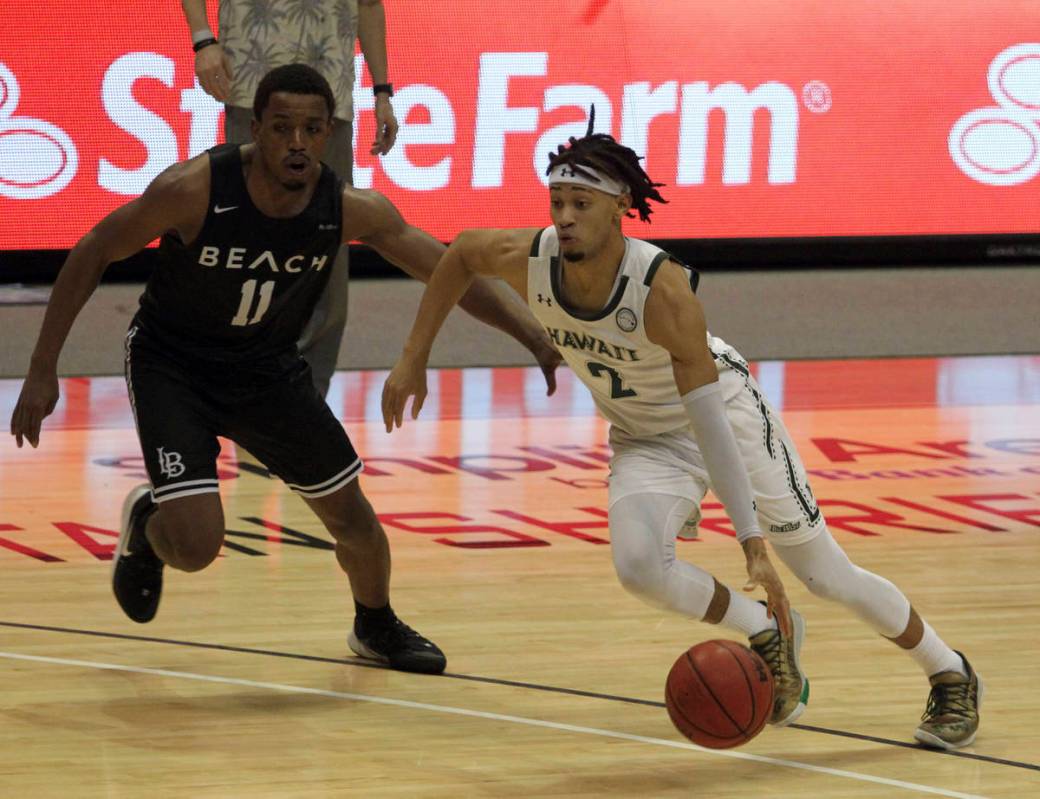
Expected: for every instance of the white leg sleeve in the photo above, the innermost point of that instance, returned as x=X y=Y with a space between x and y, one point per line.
x=643 y=528
x=827 y=571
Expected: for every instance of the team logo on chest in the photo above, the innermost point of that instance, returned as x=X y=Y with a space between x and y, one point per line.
x=626 y=319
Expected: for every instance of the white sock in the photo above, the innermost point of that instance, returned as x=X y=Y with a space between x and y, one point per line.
x=746 y=616
x=934 y=656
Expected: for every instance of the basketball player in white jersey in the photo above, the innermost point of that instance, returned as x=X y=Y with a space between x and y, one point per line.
x=686 y=415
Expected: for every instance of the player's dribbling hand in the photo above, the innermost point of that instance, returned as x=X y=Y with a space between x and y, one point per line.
x=761 y=572
x=406 y=379
x=38 y=398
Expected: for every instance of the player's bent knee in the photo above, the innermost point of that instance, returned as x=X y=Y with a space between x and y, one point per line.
x=641 y=574
x=194 y=545
x=198 y=549
x=192 y=529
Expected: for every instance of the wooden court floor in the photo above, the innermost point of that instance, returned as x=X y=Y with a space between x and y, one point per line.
x=927 y=469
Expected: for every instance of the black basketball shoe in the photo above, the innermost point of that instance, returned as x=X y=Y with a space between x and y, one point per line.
x=137 y=571
x=397 y=645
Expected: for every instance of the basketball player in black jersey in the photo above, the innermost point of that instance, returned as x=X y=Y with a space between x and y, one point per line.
x=249 y=235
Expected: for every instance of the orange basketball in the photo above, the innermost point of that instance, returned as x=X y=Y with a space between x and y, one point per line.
x=719 y=694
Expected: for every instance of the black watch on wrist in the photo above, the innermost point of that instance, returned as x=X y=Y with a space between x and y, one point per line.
x=383 y=88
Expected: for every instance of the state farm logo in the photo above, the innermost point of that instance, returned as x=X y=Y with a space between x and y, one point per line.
x=697 y=106
x=1000 y=145
x=37 y=159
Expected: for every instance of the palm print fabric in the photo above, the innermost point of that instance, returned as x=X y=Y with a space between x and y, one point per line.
x=259 y=35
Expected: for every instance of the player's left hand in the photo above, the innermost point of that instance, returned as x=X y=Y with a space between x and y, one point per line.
x=406 y=379
x=386 y=126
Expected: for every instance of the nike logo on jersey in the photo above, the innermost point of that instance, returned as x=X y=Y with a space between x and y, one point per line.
x=220 y=210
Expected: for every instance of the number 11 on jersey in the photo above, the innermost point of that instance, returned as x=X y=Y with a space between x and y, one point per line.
x=248 y=293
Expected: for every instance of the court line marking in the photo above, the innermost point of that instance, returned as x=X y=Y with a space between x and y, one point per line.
x=480 y=714
x=354 y=662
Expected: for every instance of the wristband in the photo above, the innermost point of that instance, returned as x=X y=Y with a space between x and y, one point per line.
x=203 y=43
x=383 y=88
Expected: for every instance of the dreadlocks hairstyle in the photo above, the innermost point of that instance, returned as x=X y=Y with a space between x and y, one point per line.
x=602 y=152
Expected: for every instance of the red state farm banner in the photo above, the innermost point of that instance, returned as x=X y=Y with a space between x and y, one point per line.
x=762 y=118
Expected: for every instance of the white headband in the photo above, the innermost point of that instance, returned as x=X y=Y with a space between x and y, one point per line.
x=565 y=174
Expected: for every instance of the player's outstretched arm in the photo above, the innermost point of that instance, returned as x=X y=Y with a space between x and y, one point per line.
x=373 y=219
x=165 y=205
x=474 y=252
x=675 y=321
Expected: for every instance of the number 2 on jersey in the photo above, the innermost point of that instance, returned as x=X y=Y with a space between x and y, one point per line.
x=248 y=293
x=617 y=388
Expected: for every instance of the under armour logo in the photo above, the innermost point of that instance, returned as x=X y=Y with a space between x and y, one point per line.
x=545 y=300
x=567 y=172
x=170 y=463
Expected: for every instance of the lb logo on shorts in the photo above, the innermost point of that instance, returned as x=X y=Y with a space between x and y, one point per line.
x=790 y=527
x=170 y=463
x=626 y=319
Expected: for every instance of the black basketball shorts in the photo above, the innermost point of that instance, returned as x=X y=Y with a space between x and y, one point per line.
x=181 y=406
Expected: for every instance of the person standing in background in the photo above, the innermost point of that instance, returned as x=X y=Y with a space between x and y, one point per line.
x=255 y=37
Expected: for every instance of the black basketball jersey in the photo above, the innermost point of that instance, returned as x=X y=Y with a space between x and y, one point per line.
x=241 y=293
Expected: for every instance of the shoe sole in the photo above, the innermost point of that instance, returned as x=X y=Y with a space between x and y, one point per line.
x=934 y=741
x=363 y=651
x=688 y=531
x=418 y=666
x=799 y=636
x=124 y=522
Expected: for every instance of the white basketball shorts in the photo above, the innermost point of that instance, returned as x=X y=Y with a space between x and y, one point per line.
x=671 y=463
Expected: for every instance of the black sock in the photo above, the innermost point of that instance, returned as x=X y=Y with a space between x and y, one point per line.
x=372 y=618
x=143 y=544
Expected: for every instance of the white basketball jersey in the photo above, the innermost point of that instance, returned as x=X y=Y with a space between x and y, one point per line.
x=630 y=377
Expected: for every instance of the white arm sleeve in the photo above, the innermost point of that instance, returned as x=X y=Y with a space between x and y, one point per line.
x=718 y=445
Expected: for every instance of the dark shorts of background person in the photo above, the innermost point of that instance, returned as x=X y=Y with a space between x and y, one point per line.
x=321 y=339
x=182 y=405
